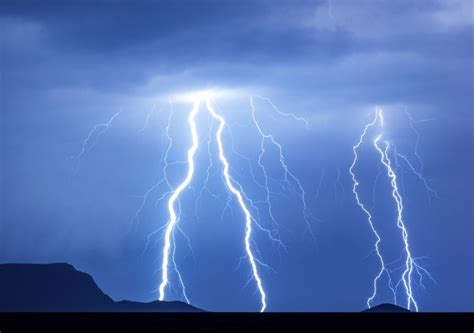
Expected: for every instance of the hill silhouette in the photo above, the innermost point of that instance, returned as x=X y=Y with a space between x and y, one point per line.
x=61 y=288
x=386 y=307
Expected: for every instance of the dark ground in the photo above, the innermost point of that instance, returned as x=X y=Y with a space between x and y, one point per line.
x=57 y=298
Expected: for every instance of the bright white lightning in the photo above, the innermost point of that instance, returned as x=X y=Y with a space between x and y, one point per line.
x=232 y=186
x=173 y=219
x=169 y=190
x=98 y=130
x=383 y=268
x=407 y=273
x=240 y=199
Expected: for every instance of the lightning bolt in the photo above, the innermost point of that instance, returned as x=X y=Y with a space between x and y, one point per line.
x=233 y=186
x=251 y=209
x=407 y=273
x=383 y=268
x=96 y=132
x=173 y=217
x=240 y=199
x=410 y=266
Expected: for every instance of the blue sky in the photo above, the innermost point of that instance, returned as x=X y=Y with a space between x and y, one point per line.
x=67 y=66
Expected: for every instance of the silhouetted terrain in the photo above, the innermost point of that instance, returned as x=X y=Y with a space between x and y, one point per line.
x=60 y=287
x=386 y=308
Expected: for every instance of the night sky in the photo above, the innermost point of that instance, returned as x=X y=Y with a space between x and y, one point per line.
x=69 y=65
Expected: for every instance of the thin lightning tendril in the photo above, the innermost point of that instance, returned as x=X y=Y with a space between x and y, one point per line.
x=418 y=173
x=147 y=120
x=291 y=115
x=98 y=130
x=338 y=186
x=287 y=173
x=274 y=234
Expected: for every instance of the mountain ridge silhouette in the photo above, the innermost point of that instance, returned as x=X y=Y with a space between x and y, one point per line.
x=59 y=287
